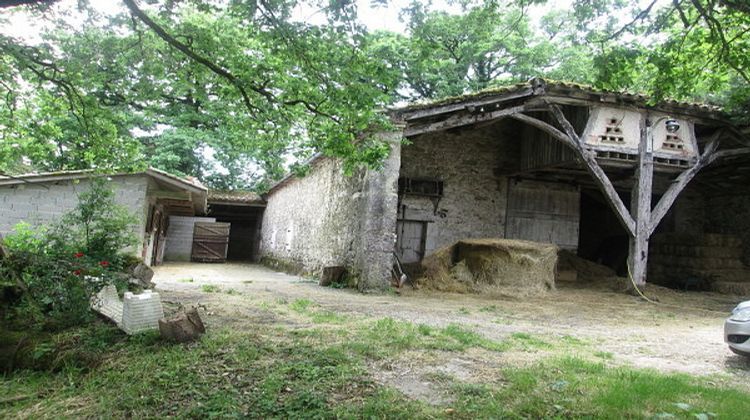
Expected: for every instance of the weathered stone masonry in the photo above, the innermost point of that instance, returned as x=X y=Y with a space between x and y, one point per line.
x=327 y=218
x=474 y=197
x=313 y=221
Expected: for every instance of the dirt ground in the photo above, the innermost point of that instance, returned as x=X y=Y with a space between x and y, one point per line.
x=682 y=333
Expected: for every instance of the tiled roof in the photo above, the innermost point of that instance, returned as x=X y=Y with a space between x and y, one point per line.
x=557 y=87
x=42 y=177
x=242 y=197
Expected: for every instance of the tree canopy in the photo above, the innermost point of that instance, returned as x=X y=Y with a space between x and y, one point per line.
x=234 y=92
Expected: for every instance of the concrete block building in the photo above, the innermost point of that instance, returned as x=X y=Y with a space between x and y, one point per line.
x=152 y=196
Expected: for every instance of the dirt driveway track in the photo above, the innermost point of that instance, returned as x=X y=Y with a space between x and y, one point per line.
x=682 y=333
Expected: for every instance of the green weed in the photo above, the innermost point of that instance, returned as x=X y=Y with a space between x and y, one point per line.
x=210 y=288
x=300 y=305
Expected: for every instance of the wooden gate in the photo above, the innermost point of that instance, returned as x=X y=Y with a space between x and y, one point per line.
x=210 y=242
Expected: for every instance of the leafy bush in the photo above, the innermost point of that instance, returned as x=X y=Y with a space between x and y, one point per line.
x=60 y=267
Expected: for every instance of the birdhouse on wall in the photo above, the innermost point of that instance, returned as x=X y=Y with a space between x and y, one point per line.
x=613 y=129
x=618 y=130
x=679 y=143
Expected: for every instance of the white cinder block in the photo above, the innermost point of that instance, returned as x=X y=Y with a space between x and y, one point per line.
x=108 y=303
x=141 y=312
x=132 y=314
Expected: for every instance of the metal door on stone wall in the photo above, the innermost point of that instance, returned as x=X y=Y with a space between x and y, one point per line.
x=210 y=242
x=544 y=212
x=410 y=240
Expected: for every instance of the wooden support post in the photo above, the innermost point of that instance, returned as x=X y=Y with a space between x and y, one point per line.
x=596 y=171
x=679 y=184
x=640 y=205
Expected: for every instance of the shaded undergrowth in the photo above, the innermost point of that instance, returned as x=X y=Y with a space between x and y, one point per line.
x=319 y=370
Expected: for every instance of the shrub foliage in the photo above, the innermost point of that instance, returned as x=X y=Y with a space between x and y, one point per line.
x=58 y=268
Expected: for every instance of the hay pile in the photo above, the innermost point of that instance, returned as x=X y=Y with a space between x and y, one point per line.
x=578 y=272
x=503 y=267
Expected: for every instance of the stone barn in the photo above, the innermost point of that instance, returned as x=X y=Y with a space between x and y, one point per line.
x=658 y=191
x=153 y=196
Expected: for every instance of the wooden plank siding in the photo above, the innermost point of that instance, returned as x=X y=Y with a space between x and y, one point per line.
x=544 y=212
x=210 y=242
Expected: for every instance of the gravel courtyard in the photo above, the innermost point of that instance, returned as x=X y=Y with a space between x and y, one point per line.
x=682 y=333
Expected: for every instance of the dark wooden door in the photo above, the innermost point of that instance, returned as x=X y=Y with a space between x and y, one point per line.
x=210 y=241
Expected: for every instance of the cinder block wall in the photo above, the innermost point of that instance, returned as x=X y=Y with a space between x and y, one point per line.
x=314 y=221
x=45 y=203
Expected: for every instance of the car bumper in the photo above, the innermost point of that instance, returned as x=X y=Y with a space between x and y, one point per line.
x=737 y=335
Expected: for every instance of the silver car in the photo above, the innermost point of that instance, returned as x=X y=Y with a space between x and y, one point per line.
x=737 y=329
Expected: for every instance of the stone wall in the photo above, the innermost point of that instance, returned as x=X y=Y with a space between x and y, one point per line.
x=313 y=221
x=327 y=218
x=474 y=199
x=730 y=214
x=44 y=203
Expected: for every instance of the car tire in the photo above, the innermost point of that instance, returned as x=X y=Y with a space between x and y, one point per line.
x=740 y=352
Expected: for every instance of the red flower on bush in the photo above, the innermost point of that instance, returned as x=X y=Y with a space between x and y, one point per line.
x=104 y=263
x=77 y=272
x=78 y=254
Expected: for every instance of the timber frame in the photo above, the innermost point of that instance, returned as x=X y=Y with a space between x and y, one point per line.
x=526 y=102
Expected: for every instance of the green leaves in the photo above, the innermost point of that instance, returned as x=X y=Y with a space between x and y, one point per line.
x=250 y=86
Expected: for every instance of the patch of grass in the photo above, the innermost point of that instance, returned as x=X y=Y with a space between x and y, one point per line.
x=232 y=292
x=229 y=373
x=573 y=341
x=528 y=341
x=604 y=355
x=186 y=280
x=300 y=305
x=388 y=336
x=570 y=387
x=469 y=338
x=210 y=288
x=501 y=321
x=464 y=311
x=489 y=308
x=328 y=317
x=321 y=371
x=266 y=306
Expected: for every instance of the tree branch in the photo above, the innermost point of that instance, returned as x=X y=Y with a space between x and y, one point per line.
x=215 y=68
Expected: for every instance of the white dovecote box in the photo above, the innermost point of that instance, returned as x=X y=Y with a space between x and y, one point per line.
x=681 y=143
x=613 y=129
x=619 y=130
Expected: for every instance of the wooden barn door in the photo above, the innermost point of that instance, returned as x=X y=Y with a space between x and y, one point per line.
x=544 y=212
x=210 y=242
x=410 y=240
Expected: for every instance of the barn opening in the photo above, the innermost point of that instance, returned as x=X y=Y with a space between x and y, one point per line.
x=243 y=210
x=514 y=178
